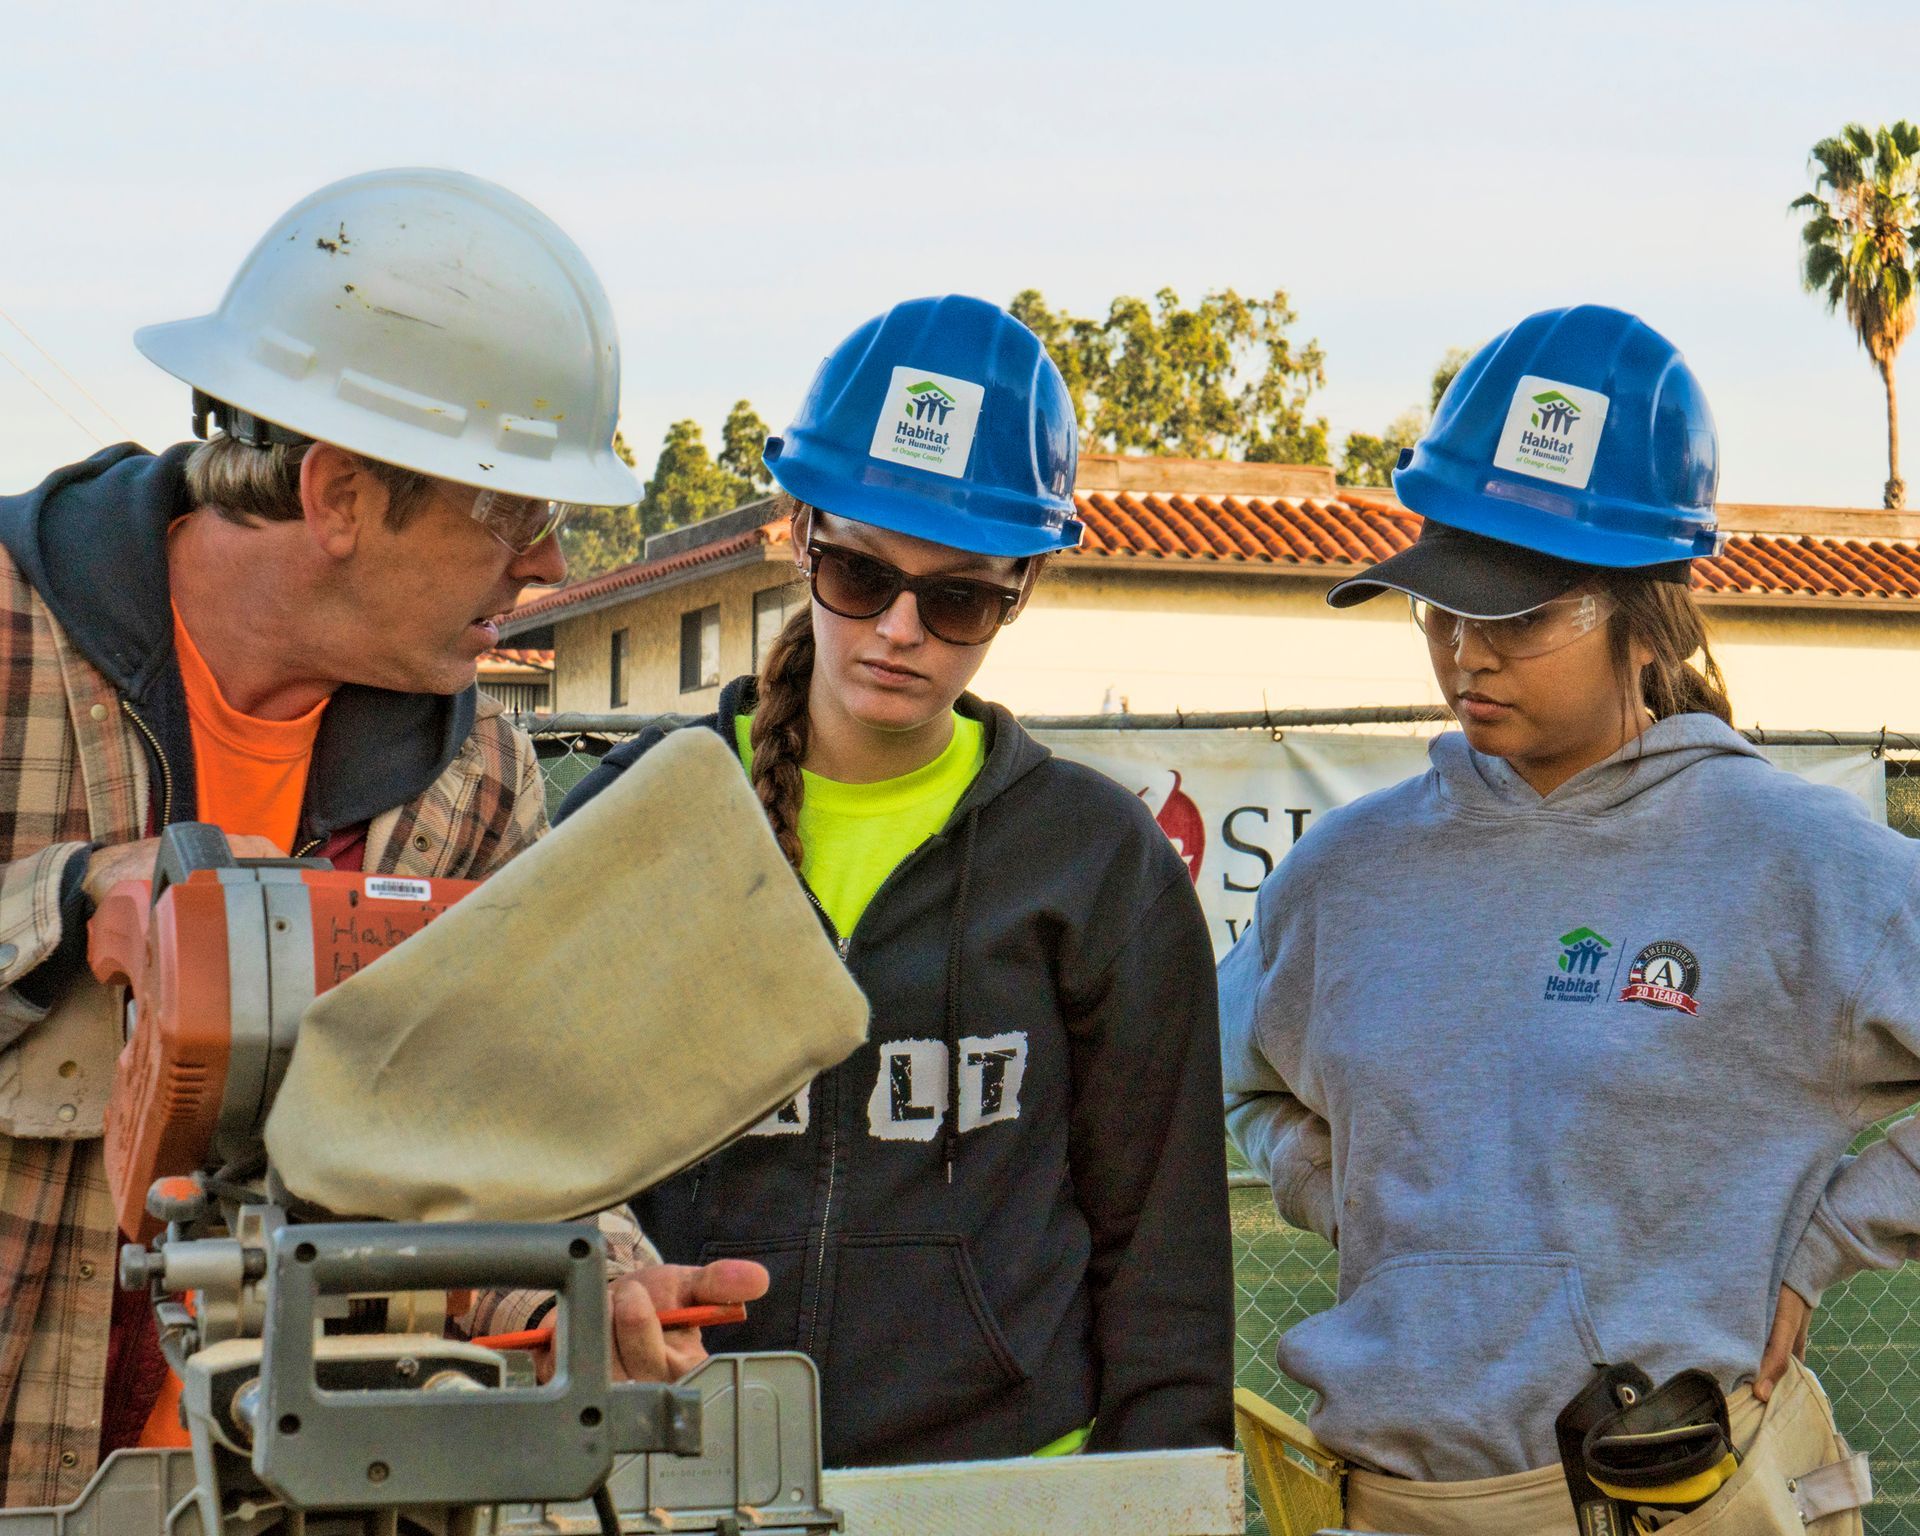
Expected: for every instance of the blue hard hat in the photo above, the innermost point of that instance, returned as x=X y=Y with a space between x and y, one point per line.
x=1579 y=438
x=944 y=419
x=1581 y=433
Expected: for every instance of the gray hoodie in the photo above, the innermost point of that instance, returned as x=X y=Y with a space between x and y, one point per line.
x=1572 y=1080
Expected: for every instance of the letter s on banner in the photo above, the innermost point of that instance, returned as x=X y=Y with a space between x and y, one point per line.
x=1229 y=837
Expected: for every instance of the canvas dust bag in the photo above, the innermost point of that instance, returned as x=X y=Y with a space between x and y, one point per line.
x=622 y=999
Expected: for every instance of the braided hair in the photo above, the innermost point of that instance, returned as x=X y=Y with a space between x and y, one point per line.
x=780 y=726
x=779 y=732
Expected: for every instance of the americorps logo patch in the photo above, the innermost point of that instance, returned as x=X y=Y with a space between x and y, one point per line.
x=1552 y=431
x=928 y=421
x=1666 y=974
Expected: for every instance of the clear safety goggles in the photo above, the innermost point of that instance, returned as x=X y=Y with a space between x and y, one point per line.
x=521 y=523
x=1537 y=632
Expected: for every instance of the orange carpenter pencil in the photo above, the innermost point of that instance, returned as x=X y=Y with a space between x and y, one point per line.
x=673 y=1317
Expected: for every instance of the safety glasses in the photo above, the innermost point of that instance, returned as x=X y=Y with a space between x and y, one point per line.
x=519 y=522
x=1537 y=632
x=955 y=609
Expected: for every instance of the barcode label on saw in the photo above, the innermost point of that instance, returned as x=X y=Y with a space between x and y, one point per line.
x=390 y=889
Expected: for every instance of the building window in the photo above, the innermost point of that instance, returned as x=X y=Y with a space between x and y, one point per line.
x=617 y=695
x=771 y=610
x=700 y=648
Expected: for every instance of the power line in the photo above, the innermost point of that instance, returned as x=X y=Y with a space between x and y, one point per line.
x=52 y=401
x=65 y=375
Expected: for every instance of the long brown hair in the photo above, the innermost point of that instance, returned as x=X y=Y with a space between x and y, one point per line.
x=1665 y=618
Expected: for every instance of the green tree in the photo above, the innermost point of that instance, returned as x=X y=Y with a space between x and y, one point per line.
x=1220 y=379
x=597 y=539
x=1862 y=252
x=687 y=484
x=1370 y=460
x=741 y=441
x=1445 y=372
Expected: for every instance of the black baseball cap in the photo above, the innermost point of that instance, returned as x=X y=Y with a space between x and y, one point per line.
x=1473 y=575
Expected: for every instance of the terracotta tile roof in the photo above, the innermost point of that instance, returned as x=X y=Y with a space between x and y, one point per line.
x=507 y=659
x=642 y=572
x=1341 y=530
x=1813 y=566
x=1338 y=534
x=1355 y=528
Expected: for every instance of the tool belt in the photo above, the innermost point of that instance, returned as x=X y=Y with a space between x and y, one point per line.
x=1641 y=1458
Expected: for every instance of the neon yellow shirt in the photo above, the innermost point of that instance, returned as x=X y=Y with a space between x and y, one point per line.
x=852 y=836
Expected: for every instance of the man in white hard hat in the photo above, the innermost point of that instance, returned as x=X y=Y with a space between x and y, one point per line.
x=411 y=378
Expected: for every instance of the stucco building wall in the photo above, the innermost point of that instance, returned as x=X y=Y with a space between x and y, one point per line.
x=582 y=647
x=1165 y=640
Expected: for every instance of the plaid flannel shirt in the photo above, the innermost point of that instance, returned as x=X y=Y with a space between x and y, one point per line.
x=74 y=772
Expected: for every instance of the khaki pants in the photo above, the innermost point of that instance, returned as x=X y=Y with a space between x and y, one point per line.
x=1782 y=1440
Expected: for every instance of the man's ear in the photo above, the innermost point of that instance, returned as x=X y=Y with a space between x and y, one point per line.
x=339 y=498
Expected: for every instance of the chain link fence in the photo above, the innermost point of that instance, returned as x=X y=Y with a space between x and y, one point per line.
x=1866 y=1336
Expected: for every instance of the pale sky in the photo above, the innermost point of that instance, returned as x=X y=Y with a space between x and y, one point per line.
x=753 y=180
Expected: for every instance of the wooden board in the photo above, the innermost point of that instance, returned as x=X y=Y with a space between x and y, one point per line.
x=1145 y=1493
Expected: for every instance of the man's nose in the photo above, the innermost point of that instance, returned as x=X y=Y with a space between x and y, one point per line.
x=545 y=565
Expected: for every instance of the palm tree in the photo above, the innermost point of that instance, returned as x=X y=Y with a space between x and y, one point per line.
x=1863 y=248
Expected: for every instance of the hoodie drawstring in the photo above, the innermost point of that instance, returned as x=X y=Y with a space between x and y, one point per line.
x=950 y=1131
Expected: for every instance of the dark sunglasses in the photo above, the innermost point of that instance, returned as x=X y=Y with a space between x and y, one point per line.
x=953 y=608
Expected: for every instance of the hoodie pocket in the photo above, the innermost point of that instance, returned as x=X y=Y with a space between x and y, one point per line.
x=773 y=1322
x=912 y=1348
x=1446 y=1366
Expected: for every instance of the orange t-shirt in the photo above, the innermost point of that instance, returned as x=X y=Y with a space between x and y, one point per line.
x=252 y=778
x=163 y=1430
x=251 y=773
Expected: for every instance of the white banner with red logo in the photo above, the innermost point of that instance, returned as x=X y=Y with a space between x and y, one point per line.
x=1234 y=802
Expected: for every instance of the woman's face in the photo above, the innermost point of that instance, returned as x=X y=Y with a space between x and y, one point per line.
x=888 y=673
x=1551 y=716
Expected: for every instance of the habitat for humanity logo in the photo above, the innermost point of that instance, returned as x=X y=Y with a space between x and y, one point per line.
x=927 y=420
x=1552 y=431
x=927 y=402
x=1556 y=414
x=1582 y=953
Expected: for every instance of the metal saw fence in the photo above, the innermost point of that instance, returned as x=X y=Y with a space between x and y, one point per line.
x=1866 y=1335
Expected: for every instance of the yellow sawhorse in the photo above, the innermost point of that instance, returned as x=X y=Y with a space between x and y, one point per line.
x=1301 y=1483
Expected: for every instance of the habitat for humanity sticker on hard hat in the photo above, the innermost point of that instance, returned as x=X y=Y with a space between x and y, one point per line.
x=927 y=421
x=1551 y=432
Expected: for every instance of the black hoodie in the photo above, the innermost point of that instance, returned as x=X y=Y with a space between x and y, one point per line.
x=1061 y=1255
x=91 y=540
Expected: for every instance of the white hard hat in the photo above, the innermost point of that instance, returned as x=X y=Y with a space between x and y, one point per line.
x=428 y=319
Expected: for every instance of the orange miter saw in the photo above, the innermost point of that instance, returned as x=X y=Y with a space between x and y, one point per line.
x=315 y=1372
x=224 y=958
